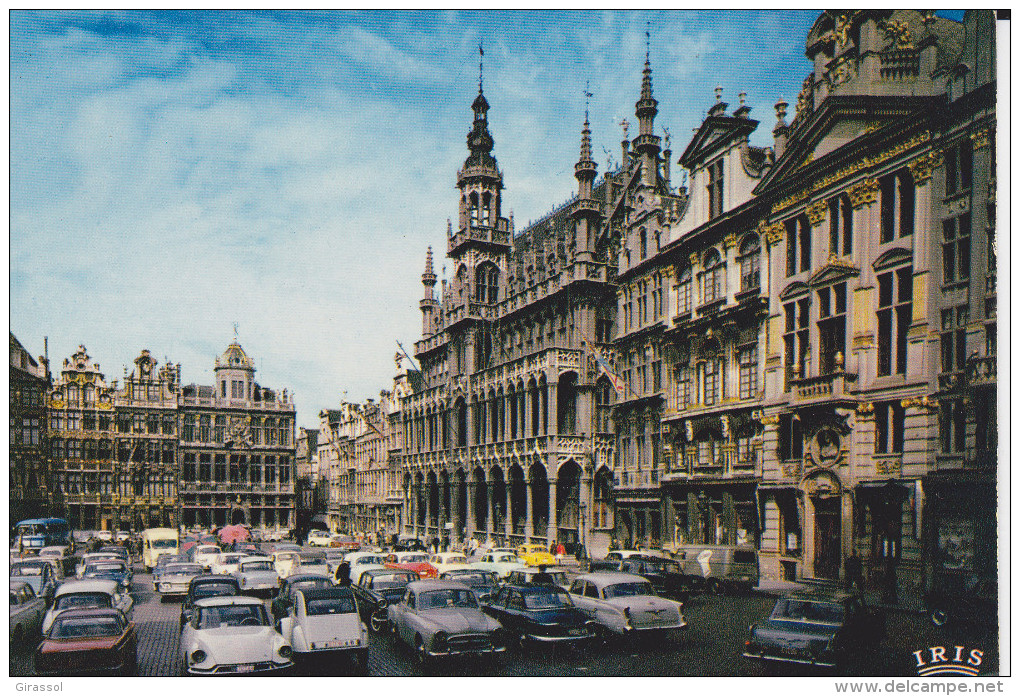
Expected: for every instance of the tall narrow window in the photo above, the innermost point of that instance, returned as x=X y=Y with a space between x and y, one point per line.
x=684 y=384
x=796 y=339
x=841 y=226
x=712 y=381
x=750 y=263
x=715 y=189
x=747 y=356
x=683 y=292
x=889 y=427
x=956 y=248
x=713 y=284
x=643 y=244
x=791 y=437
x=959 y=161
x=831 y=327
x=895 y=297
x=798 y=245
x=805 y=242
x=953 y=339
x=897 y=205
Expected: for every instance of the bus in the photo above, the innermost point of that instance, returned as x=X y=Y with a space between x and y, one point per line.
x=157 y=542
x=33 y=535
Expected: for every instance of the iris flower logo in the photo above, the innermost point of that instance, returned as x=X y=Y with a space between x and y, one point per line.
x=939 y=659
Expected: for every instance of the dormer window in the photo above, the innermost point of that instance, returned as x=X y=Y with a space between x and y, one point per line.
x=643 y=244
x=715 y=189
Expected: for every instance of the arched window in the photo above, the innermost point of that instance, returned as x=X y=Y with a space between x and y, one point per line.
x=643 y=244
x=474 y=209
x=713 y=284
x=487 y=283
x=683 y=291
x=486 y=208
x=750 y=263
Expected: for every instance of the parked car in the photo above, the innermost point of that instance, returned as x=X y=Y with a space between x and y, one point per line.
x=540 y=613
x=59 y=557
x=323 y=624
x=123 y=535
x=204 y=586
x=612 y=560
x=226 y=563
x=376 y=589
x=89 y=594
x=205 y=555
x=666 y=576
x=285 y=562
x=345 y=542
x=963 y=600
x=363 y=560
x=413 y=560
x=814 y=627
x=92 y=558
x=88 y=641
x=312 y=562
x=104 y=535
x=109 y=570
x=284 y=600
x=318 y=537
x=501 y=563
x=256 y=573
x=483 y=582
x=535 y=555
x=233 y=635
x=162 y=562
x=37 y=573
x=623 y=603
x=439 y=618
x=120 y=551
x=27 y=611
x=543 y=575
x=176 y=578
x=723 y=568
x=448 y=561
x=333 y=559
x=405 y=543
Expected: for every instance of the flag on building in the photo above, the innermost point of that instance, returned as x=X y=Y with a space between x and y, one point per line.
x=614 y=379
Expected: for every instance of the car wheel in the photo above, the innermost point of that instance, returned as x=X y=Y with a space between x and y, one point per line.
x=939 y=616
x=423 y=657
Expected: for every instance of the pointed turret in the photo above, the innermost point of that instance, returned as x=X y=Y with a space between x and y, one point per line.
x=428 y=304
x=586 y=212
x=646 y=144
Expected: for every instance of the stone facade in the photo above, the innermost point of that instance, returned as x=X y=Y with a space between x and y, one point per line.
x=30 y=475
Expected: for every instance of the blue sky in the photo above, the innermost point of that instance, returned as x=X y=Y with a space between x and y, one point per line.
x=173 y=173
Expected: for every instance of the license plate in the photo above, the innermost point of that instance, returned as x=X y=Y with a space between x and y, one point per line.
x=337 y=643
x=246 y=668
x=165 y=587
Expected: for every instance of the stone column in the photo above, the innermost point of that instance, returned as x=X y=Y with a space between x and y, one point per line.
x=529 y=511
x=456 y=515
x=551 y=531
x=441 y=502
x=427 y=489
x=471 y=523
x=489 y=510
x=584 y=506
x=508 y=521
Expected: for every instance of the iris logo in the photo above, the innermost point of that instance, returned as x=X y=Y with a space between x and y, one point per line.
x=938 y=659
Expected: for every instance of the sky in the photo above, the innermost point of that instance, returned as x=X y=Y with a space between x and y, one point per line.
x=174 y=174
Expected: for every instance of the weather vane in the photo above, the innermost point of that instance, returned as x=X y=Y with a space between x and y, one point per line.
x=235 y=330
x=481 y=55
x=587 y=96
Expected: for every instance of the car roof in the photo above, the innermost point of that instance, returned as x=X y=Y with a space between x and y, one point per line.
x=532 y=570
x=534 y=587
x=327 y=593
x=372 y=572
x=426 y=585
x=95 y=611
x=255 y=558
x=610 y=577
x=228 y=601
x=213 y=580
x=73 y=586
x=30 y=562
x=819 y=595
x=300 y=577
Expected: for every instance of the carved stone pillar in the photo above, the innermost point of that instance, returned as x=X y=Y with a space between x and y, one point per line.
x=471 y=522
x=490 y=511
x=551 y=533
x=529 y=511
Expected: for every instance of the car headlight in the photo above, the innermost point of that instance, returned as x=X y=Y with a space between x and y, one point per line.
x=198 y=656
x=439 y=641
x=244 y=582
x=382 y=604
x=498 y=638
x=626 y=615
x=285 y=652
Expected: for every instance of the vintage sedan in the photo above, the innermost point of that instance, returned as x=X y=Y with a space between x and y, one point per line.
x=206 y=586
x=285 y=562
x=344 y=542
x=92 y=558
x=542 y=574
x=205 y=555
x=539 y=613
x=290 y=586
x=233 y=635
x=439 y=618
x=412 y=560
x=27 y=611
x=312 y=562
x=89 y=594
x=109 y=570
x=448 y=561
x=323 y=624
x=535 y=555
x=333 y=559
x=483 y=582
x=814 y=627
x=363 y=560
x=227 y=562
x=176 y=578
x=667 y=576
x=162 y=562
x=256 y=573
x=58 y=556
x=623 y=603
x=37 y=573
x=88 y=641
x=318 y=537
x=376 y=589
x=501 y=563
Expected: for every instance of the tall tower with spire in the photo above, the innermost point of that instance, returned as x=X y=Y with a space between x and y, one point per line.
x=646 y=144
x=429 y=305
x=587 y=212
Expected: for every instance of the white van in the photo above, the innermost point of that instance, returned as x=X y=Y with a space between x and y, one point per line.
x=156 y=542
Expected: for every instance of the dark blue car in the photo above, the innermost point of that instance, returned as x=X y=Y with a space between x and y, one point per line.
x=109 y=570
x=540 y=613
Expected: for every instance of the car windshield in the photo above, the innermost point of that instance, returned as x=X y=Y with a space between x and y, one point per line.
x=313 y=584
x=471 y=579
x=546 y=600
x=330 y=605
x=86 y=627
x=451 y=597
x=286 y=556
x=506 y=558
x=84 y=600
x=231 y=557
x=413 y=558
x=312 y=558
x=208 y=549
x=163 y=543
x=232 y=615
x=627 y=589
x=368 y=560
x=256 y=565
x=215 y=589
x=183 y=569
x=455 y=559
x=385 y=582
x=809 y=611
x=21 y=571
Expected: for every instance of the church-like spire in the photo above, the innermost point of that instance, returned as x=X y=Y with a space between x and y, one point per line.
x=646 y=144
x=479 y=140
x=584 y=170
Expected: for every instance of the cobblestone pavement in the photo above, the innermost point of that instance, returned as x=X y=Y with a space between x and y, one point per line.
x=710 y=646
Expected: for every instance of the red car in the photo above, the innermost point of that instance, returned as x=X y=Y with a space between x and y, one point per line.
x=345 y=543
x=88 y=641
x=413 y=561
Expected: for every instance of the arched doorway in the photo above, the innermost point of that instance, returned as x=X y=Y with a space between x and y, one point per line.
x=518 y=499
x=539 y=499
x=238 y=516
x=498 y=493
x=481 y=499
x=568 y=498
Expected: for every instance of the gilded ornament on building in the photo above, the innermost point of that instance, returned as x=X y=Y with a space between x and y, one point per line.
x=693 y=258
x=774 y=233
x=842 y=30
x=842 y=71
x=888 y=466
x=863 y=193
x=981 y=139
x=57 y=403
x=816 y=213
x=804 y=100
x=924 y=166
x=865 y=408
x=730 y=240
x=899 y=32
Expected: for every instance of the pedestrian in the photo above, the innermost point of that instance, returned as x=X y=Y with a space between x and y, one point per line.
x=560 y=551
x=343 y=574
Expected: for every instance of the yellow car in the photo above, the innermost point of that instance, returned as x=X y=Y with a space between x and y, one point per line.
x=535 y=555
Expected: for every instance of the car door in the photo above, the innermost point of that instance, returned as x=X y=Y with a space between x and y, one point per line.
x=400 y=612
x=496 y=607
x=578 y=593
